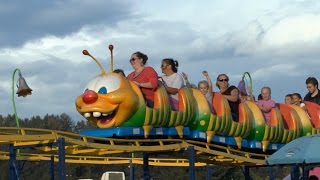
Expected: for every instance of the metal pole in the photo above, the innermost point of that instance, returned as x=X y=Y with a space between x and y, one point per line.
x=13 y=102
x=271 y=177
x=62 y=163
x=146 y=175
x=21 y=165
x=247 y=173
x=295 y=172
x=307 y=172
x=131 y=170
x=52 y=167
x=192 y=174
x=12 y=160
x=208 y=172
x=304 y=172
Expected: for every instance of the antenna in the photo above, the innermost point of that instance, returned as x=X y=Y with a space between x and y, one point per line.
x=111 y=54
x=85 y=52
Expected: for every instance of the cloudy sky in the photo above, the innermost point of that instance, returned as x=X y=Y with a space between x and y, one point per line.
x=278 y=42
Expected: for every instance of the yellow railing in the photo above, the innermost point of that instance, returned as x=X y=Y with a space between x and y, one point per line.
x=90 y=150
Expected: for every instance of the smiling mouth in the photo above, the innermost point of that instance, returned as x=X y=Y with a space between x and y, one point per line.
x=104 y=118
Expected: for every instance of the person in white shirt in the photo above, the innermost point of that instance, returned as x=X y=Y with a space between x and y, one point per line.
x=172 y=80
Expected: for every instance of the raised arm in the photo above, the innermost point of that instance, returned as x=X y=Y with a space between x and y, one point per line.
x=205 y=73
x=185 y=77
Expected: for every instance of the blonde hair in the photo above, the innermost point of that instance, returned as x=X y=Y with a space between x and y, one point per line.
x=203 y=82
x=268 y=88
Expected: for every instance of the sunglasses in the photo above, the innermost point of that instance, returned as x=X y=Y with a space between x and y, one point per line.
x=163 y=65
x=132 y=59
x=221 y=80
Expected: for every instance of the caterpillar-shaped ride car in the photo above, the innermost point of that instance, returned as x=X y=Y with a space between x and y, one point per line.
x=112 y=101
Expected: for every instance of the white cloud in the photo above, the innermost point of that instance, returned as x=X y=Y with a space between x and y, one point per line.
x=294 y=30
x=221 y=37
x=278 y=69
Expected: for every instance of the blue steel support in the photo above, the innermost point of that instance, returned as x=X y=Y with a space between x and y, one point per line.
x=131 y=170
x=305 y=172
x=247 y=173
x=12 y=168
x=295 y=172
x=21 y=165
x=209 y=172
x=62 y=163
x=52 y=167
x=271 y=176
x=146 y=175
x=192 y=173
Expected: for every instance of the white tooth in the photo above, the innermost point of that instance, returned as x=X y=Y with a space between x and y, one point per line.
x=105 y=114
x=96 y=114
x=87 y=115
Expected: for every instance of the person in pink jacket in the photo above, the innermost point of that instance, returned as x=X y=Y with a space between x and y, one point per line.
x=266 y=103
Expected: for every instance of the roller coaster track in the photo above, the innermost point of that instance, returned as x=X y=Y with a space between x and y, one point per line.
x=73 y=159
x=93 y=150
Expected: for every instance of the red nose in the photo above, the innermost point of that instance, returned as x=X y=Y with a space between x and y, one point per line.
x=89 y=97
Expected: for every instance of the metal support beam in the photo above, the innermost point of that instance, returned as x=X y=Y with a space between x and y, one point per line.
x=209 y=172
x=271 y=176
x=20 y=167
x=146 y=175
x=131 y=170
x=12 y=166
x=192 y=172
x=247 y=173
x=52 y=167
x=62 y=163
x=305 y=172
x=295 y=172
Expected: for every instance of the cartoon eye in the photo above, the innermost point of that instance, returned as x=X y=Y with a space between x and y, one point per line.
x=103 y=90
x=107 y=84
x=91 y=84
x=104 y=84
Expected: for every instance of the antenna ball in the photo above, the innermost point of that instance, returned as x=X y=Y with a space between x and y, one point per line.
x=111 y=47
x=85 y=52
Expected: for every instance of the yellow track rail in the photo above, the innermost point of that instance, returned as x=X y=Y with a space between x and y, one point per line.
x=87 y=149
x=72 y=159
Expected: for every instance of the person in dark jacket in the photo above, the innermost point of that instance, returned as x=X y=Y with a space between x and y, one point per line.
x=313 y=94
